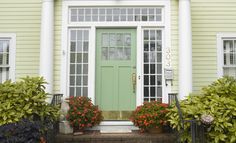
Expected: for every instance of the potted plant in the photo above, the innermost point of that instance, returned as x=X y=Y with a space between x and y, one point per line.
x=82 y=113
x=150 y=116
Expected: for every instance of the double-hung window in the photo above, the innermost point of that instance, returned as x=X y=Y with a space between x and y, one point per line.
x=227 y=55
x=7 y=57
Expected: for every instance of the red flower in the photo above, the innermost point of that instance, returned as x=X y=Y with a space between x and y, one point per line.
x=84 y=113
x=150 y=114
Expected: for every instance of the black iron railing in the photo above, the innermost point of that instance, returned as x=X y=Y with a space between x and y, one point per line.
x=197 y=131
x=53 y=131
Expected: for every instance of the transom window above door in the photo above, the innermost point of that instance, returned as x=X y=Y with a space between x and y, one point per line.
x=115 y=14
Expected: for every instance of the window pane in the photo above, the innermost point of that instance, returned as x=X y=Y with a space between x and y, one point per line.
x=72 y=46
x=85 y=91
x=85 y=80
x=72 y=91
x=85 y=69
x=79 y=58
x=152 y=92
x=72 y=69
x=146 y=46
x=105 y=53
x=127 y=39
x=112 y=40
x=78 y=80
x=146 y=92
x=105 y=40
x=153 y=79
x=79 y=47
x=79 y=69
x=146 y=68
x=152 y=68
x=78 y=91
x=146 y=80
x=85 y=58
x=146 y=57
x=72 y=80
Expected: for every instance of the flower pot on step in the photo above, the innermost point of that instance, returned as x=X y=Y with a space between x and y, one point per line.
x=155 y=130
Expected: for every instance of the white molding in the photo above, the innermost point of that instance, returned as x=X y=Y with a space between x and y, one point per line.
x=220 y=53
x=185 y=49
x=139 y=66
x=92 y=63
x=12 y=53
x=46 y=43
x=165 y=24
x=64 y=46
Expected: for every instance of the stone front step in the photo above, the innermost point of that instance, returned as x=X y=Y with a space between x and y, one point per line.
x=134 y=137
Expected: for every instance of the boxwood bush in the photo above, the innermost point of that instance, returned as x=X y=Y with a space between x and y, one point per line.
x=217 y=100
x=25 y=99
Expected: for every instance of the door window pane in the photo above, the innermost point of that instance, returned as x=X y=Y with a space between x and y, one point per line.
x=116 y=46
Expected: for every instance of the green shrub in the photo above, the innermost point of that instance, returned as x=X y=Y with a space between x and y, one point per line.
x=217 y=100
x=25 y=99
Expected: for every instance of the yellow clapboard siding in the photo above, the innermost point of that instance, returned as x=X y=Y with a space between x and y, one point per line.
x=174 y=42
x=209 y=18
x=57 y=49
x=22 y=17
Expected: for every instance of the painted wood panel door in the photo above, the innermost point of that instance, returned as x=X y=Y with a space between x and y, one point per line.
x=116 y=71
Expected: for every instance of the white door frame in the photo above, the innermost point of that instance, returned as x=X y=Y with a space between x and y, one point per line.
x=66 y=25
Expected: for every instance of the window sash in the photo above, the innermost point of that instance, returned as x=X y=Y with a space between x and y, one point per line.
x=4 y=59
x=229 y=57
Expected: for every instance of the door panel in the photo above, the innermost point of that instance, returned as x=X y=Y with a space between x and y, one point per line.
x=115 y=64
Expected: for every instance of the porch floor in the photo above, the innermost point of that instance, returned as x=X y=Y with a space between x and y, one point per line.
x=134 y=137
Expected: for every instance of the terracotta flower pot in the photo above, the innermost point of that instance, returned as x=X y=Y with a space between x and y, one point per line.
x=155 y=130
x=78 y=132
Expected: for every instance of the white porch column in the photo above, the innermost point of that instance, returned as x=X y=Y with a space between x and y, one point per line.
x=185 y=49
x=46 y=43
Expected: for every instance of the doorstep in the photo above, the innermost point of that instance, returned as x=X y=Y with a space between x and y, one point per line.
x=115 y=127
x=133 y=137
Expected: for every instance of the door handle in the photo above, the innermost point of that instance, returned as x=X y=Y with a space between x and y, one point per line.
x=134 y=81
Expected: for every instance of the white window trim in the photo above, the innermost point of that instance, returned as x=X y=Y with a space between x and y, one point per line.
x=12 y=52
x=165 y=24
x=220 y=51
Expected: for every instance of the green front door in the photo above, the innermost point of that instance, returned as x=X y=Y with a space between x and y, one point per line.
x=116 y=72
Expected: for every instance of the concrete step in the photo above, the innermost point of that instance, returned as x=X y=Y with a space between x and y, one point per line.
x=111 y=127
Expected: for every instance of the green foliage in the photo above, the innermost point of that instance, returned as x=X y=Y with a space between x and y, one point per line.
x=149 y=115
x=82 y=113
x=217 y=100
x=25 y=99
